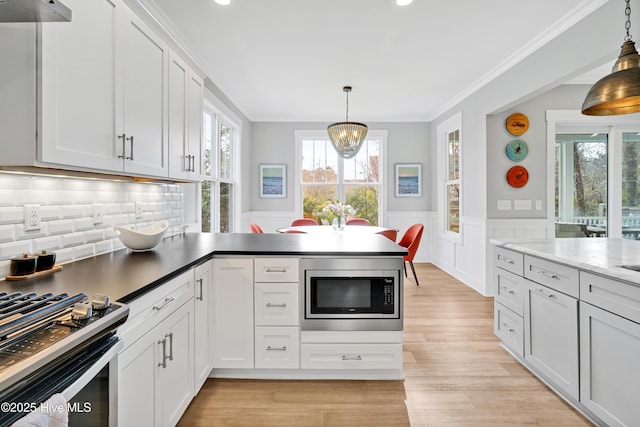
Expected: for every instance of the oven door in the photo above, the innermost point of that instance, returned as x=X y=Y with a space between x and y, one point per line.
x=86 y=379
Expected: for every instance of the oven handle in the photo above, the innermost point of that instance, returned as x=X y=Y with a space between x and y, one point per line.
x=90 y=373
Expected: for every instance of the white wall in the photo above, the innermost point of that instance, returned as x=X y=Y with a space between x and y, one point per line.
x=66 y=206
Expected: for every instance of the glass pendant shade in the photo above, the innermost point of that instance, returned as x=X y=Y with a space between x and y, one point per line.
x=619 y=92
x=347 y=137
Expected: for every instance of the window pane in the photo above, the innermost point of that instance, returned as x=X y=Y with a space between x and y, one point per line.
x=453 y=208
x=319 y=161
x=630 y=188
x=581 y=184
x=226 y=145
x=209 y=122
x=364 y=166
x=207 y=207
x=453 y=155
x=364 y=198
x=226 y=207
x=315 y=197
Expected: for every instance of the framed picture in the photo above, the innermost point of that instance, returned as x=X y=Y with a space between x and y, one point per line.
x=408 y=179
x=273 y=181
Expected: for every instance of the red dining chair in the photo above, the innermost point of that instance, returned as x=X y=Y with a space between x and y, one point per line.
x=411 y=240
x=358 y=221
x=255 y=228
x=294 y=232
x=389 y=234
x=304 y=221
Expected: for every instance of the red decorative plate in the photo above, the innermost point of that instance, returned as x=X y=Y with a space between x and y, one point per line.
x=517 y=176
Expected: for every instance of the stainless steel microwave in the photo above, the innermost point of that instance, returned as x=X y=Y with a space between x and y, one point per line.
x=352 y=294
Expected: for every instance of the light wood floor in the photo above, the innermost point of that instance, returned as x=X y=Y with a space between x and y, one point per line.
x=456 y=374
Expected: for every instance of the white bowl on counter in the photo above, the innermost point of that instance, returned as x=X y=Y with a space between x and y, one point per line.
x=144 y=239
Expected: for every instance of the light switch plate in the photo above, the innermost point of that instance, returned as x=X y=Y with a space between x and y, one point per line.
x=522 y=205
x=504 y=205
x=98 y=213
x=138 y=209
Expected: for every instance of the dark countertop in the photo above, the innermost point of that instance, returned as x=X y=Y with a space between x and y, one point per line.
x=125 y=275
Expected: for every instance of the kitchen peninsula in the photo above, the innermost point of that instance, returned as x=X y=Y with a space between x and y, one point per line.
x=231 y=305
x=569 y=310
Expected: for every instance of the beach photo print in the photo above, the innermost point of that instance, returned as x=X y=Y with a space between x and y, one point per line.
x=408 y=180
x=273 y=181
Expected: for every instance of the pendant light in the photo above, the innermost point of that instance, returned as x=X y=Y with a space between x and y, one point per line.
x=347 y=136
x=619 y=92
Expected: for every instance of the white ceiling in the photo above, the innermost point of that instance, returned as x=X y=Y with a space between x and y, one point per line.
x=287 y=60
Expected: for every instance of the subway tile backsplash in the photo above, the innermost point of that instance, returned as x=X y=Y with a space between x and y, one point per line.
x=66 y=211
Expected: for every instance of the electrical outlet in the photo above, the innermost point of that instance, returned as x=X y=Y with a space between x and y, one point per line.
x=31 y=217
x=138 y=209
x=98 y=213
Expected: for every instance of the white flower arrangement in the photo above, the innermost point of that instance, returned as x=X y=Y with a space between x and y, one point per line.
x=338 y=209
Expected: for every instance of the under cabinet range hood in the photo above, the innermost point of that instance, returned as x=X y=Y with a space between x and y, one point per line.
x=34 y=11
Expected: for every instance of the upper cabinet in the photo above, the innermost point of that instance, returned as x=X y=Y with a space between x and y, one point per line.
x=107 y=89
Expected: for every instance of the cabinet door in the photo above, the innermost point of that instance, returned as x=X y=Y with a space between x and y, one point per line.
x=78 y=70
x=203 y=327
x=233 y=313
x=176 y=390
x=609 y=374
x=195 y=102
x=551 y=335
x=144 y=98
x=137 y=382
x=179 y=162
x=276 y=304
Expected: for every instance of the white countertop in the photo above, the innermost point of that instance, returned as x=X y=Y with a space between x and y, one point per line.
x=598 y=255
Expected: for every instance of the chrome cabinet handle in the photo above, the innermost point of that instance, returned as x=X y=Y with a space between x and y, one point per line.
x=130 y=139
x=506 y=259
x=122 y=137
x=508 y=290
x=164 y=304
x=543 y=293
x=545 y=273
x=164 y=353
x=170 y=336
x=345 y=357
x=193 y=163
x=283 y=348
x=201 y=297
x=507 y=327
x=283 y=305
x=276 y=270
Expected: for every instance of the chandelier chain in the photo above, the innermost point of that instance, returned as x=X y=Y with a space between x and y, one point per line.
x=348 y=103
x=627 y=24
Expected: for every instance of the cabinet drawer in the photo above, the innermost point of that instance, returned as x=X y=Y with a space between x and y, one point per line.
x=510 y=290
x=276 y=270
x=509 y=327
x=276 y=304
x=612 y=295
x=509 y=260
x=277 y=347
x=351 y=356
x=556 y=276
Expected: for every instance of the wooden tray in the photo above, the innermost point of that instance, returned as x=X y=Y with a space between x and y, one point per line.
x=36 y=274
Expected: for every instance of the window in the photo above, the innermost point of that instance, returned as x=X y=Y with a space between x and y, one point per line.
x=219 y=186
x=325 y=176
x=449 y=175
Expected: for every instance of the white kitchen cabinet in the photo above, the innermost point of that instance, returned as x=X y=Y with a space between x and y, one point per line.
x=186 y=91
x=203 y=325
x=156 y=367
x=277 y=347
x=551 y=336
x=233 y=325
x=276 y=304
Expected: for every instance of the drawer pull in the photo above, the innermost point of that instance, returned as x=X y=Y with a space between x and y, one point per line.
x=546 y=273
x=506 y=259
x=276 y=270
x=541 y=292
x=508 y=290
x=283 y=348
x=507 y=327
x=283 y=305
x=345 y=357
x=164 y=304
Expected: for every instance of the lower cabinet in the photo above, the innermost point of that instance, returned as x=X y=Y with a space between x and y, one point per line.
x=551 y=336
x=351 y=356
x=155 y=381
x=609 y=375
x=277 y=347
x=203 y=324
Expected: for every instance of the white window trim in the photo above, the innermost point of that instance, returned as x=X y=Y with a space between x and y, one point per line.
x=322 y=134
x=452 y=124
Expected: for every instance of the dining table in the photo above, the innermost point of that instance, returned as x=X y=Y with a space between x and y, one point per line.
x=324 y=229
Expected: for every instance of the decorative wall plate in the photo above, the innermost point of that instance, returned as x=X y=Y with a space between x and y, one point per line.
x=517 y=176
x=517 y=150
x=517 y=124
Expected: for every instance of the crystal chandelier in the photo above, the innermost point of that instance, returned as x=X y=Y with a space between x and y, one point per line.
x=347 y=136
x=618 y=92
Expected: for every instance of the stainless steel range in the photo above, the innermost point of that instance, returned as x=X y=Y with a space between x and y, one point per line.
x=48 y=345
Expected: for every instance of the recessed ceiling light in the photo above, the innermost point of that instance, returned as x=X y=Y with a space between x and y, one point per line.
x=403 y=2
x=227 y=2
